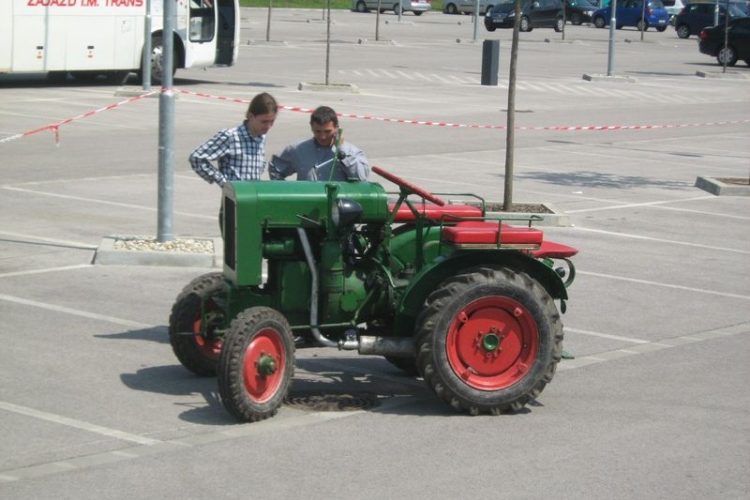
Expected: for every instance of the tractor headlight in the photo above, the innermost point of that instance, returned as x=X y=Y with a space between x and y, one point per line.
x=345 y=212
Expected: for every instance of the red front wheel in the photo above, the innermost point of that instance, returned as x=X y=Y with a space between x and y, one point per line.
x=195 y=324
x=256 y=364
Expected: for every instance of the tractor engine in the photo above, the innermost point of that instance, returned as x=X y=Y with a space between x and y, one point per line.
x=316 y=256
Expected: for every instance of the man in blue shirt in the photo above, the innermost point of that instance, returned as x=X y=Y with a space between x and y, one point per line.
x=323 y=157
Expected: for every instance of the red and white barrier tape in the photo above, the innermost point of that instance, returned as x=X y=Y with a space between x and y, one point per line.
x=56 y=126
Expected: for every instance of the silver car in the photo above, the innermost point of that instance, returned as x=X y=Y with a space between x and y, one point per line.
x=467 y=6
x=415 y=6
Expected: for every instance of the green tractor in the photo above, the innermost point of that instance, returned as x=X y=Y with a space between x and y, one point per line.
x=439 y=289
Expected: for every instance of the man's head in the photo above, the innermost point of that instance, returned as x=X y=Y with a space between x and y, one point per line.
x=324 y=124
x=261 y=113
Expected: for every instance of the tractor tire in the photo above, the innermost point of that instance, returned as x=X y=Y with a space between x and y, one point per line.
x=195 y=344
x=406 y=365
x=256 y=365
x=489 y=340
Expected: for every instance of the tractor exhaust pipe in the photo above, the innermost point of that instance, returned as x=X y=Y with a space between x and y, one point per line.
x=319 y=338
x=396 y=347
x=379 y=346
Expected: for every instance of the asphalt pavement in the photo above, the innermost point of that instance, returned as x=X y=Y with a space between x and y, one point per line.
x=93 y=404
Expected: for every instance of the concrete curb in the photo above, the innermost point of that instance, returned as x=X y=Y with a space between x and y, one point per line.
x=331 y=87
x=719 y=188
x=717 y=74
x=608 y=78
x=107 y=254
x=554 y=219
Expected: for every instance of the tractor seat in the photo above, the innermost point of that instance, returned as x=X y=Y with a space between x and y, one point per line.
x=435 y=213
x=494 y=234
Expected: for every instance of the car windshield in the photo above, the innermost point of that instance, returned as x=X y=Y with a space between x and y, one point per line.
x=739 y=10
x=656 y=4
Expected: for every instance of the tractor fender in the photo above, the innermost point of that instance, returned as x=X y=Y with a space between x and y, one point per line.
x=430 y=277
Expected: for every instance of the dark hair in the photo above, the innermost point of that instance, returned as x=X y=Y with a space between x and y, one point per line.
x=263 y=104
x=323 y=115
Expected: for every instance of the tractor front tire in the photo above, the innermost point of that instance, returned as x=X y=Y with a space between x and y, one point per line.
x=489 y=340
x=256 y=364
x=194 y=343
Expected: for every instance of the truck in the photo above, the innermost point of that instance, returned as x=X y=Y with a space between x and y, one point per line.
x=89 y=38
x=445 y=290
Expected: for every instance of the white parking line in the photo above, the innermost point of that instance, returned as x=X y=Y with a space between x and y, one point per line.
x=46 y=270
x=78 y=424
x=666 y=285
x=74 y=312
x=662 y=240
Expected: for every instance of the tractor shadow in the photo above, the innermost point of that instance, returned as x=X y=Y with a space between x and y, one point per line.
x=321 y=383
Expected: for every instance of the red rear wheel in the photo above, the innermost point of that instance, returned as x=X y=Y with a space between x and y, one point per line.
x=492 y=343
x=489 y=340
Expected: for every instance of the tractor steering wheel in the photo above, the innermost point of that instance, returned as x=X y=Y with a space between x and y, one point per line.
x=408 y=186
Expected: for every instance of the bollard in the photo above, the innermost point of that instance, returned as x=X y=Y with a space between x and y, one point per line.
x=490 y=61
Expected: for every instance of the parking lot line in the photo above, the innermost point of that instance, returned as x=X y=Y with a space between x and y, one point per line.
x=665 y=285
x=662 y=240
x=78 y=424
x=74 y=312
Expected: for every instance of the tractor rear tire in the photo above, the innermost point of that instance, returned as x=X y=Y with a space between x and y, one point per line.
x=194 y=344
x=489 y=340
x=256 y=365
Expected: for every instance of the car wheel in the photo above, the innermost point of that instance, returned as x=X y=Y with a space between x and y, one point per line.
x=642 y=25
x=451 y=8
x=396 y=8
x=417 y=12
x=728 y=55
x=361 y=7
x=599 y=22
x=559 y=24
x=683 y=31
x=661 y=29
x=576 y=19
x=490 y=28
x=525 y=24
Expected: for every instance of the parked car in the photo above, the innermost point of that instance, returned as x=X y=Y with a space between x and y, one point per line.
x=579 y=11
x=415 y=6
x=467 y=6
x=696 y=16
x=632 y=13
x=534 y=14
x=738 y=44
x=674 y=7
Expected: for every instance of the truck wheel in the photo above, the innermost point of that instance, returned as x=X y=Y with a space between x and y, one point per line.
x=192 y=334
x=256 y=365
x=489 y=340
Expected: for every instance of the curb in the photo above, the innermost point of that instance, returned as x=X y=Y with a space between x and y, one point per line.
x=107 y=255
x=554 y=219
x=608 y=78
x=331 y=87
x=719 y=188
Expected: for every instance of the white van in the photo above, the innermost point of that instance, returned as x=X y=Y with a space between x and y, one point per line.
x=674 y=7
x=415 y=6
x=467 y=6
